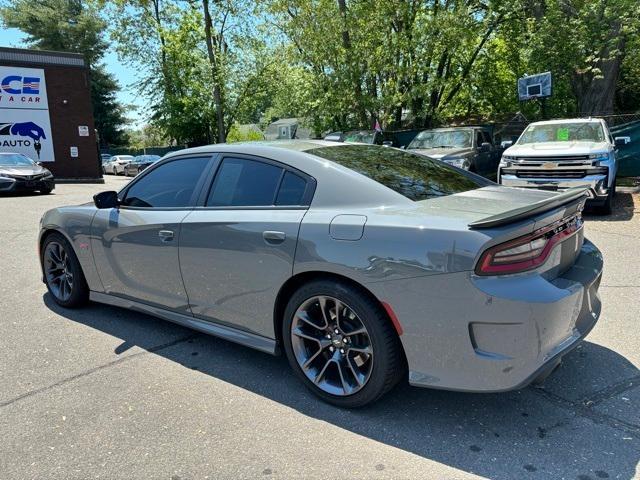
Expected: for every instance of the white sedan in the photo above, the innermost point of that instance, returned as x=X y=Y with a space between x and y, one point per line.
x=117 y=163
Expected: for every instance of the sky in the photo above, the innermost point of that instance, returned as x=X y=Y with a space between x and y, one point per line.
x=11 y=37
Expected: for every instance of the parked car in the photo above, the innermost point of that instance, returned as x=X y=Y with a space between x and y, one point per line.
x=116 y=164
x=387 y=138
x=359 y=262
x=105 y=161
x=560 y=154
x=139 y=163
x=371 y=137
x=469 y=148
x=19 y=173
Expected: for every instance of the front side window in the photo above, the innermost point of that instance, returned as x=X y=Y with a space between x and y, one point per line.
x=414 y=176
x=563 y=132
x=168 y=186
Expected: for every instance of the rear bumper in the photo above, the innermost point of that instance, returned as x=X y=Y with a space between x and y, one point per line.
x=597 y=184
x=491 y=334
x=20 y=185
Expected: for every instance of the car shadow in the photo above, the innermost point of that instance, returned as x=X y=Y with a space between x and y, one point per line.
x=531 y=433
x=622 y=209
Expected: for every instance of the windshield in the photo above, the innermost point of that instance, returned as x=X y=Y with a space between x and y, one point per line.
x=563 y=132
x=414 y=176
x=15 y=160
x=442 y=139
x=360 y=137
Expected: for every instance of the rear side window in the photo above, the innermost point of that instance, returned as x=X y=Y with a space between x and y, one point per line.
x=168 y=186
x=414 y=176
x=291 y=190
x=244 y=183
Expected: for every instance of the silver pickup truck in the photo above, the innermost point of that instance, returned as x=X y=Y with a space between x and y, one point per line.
x=561 y=154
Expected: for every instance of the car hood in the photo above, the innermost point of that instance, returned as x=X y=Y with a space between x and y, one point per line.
x=439 y=153
x=557 y=148
x=23 y=170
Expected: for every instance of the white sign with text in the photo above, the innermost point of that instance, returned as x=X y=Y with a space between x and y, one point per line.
x=25 y=126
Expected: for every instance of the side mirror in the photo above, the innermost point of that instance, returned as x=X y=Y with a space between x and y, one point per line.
x=506 y=143
x=387 y=143
x=39 y=164
x=621 y=141
x=106 y=199
x=485 y=146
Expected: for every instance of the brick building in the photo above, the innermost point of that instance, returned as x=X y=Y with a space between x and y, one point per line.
x=46 y=111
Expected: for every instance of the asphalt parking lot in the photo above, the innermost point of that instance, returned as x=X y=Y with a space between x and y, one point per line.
x=108 y=393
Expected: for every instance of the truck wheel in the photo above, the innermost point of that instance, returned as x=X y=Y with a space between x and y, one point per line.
x=607 y=208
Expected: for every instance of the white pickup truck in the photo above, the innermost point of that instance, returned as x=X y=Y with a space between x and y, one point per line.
x=561 y=154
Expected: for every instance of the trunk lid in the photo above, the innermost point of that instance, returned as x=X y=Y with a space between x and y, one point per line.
x=494 y=215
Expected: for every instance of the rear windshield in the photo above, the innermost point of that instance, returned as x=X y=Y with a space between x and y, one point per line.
x=415 y=176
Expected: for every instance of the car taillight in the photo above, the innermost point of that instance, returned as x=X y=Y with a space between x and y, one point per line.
x=526 y=252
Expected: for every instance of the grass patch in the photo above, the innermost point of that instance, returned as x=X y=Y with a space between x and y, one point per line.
x=628 y=181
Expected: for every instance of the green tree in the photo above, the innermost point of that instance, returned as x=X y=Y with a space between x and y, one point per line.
x=206 y=66
x=381 y=59
x=74 y=26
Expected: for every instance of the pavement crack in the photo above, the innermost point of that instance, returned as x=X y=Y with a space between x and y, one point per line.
x=611 y=391
x=96 y=369
x=582 y=410
x=619 y=286
x=618 y=234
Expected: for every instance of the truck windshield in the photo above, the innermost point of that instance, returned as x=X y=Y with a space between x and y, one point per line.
x=442 y=139
x=563 y=132
x=363 y=136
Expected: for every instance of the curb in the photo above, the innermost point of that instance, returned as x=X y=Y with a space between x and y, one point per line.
x=79 y=180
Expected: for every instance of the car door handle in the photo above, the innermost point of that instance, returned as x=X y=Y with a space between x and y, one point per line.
x=165 y=235
x=273 y=237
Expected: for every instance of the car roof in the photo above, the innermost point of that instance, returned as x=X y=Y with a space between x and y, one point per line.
x=568 y=120
x=446 y=129
x=337 y=185
x=295 y=145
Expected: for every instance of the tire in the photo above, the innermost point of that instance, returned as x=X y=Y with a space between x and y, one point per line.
x=58 y=261
x=350 y=369
x=45 y=191
x=607 y=208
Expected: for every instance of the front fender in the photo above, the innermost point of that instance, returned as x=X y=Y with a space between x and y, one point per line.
x=74 y=223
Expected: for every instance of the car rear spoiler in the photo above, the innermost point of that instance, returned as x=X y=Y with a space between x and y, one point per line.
x=521 y=213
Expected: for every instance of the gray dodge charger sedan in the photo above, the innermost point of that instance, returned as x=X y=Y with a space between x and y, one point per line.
x=365 y=265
